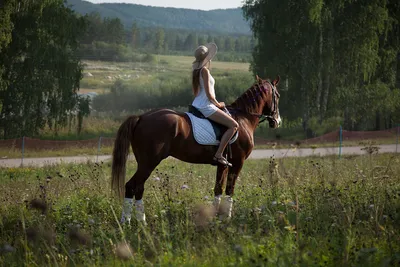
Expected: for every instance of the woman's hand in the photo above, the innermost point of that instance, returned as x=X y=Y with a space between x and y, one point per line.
x=221 y=105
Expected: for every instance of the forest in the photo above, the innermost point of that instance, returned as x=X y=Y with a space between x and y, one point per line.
x=107 y=39
x=340 y=60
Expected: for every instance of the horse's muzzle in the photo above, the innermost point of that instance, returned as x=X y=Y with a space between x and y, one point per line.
x=274 y=123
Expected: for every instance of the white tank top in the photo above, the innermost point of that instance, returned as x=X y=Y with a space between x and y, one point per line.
x=201 y=100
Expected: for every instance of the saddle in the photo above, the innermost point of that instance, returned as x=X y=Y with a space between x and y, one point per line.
x=219 y=129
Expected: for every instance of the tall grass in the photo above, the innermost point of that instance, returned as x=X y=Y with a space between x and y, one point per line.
x=93 y=127
x=289 y=212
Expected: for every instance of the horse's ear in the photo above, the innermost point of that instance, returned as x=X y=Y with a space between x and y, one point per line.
x=258 y=78
x=276 y=81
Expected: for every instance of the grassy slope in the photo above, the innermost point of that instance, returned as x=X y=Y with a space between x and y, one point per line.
x=291 y=212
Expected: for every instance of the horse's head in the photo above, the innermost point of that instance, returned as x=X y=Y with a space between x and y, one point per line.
x=271 y=107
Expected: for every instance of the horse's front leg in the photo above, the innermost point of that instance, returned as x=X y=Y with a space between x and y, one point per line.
x=225 y=210
x=219 y=182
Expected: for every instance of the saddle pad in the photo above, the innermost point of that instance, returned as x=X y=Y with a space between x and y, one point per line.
x=203 y=131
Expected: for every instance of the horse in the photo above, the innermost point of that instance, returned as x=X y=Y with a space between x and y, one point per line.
x=160 y=133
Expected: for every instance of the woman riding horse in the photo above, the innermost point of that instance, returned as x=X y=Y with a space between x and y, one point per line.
x=160 y=133
x=205 y=102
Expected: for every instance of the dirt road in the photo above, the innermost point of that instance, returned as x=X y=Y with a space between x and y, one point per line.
x=256 y=154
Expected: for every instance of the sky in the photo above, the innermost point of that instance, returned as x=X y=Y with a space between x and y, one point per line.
x=192 y=4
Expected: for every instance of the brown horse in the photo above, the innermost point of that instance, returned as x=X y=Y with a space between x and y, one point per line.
x=160 y=133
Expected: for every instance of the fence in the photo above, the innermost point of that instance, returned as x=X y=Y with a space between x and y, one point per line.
x=337 y=138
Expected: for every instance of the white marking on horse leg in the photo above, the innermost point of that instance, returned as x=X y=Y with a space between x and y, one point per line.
x=140 y=215
x=217 y=201
x=226 y=208
x=127 y=211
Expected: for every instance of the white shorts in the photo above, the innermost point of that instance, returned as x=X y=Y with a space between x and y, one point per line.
x=208 y=110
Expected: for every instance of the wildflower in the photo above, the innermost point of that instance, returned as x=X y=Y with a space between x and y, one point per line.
x=203 y=215
x=79 y=236
x=257 y=210
x=184 y=186
x=39 y=205
x=31 y=233
x=274 y=203
x=157 y=179
x=124 y=251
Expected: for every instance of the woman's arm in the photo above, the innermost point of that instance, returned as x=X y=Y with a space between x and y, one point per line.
x=205 y=74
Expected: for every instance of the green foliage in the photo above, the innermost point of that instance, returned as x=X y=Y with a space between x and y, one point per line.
x=160 y=39
x=108 y=52
x=41 y=69
x=288 y=212
x=326 y=126
x=337 y=58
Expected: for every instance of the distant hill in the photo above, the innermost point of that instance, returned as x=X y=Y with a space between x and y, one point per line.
x=219 y=20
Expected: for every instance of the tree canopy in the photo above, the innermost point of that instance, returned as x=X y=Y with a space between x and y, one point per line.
x=337 y=58
x=40 y=71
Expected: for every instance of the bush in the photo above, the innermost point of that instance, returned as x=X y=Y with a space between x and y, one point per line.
x=326 y=126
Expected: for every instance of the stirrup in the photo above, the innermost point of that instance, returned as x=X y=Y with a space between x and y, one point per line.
x=222 y=161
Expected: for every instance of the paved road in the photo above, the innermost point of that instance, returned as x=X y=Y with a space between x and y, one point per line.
x=256 y=154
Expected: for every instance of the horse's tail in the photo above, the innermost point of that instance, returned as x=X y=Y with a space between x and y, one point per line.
x=120 y=154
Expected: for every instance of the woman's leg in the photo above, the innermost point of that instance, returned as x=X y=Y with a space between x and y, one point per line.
x=221 y=117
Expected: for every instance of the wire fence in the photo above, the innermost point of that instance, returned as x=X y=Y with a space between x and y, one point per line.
x=337 y=138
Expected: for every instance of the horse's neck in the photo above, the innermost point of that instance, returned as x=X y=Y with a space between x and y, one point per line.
x=251 y=103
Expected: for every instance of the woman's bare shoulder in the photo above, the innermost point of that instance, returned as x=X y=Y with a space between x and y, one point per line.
x=205 y=72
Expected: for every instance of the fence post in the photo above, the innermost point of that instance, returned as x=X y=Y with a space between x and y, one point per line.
x=98 y=150
x=397 y=139
x=340 y=141
x=22 y=151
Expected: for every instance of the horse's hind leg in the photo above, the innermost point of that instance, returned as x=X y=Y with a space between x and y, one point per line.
x=135 y=187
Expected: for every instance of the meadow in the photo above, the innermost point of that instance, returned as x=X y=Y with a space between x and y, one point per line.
x=287 y=212
x=100 y=75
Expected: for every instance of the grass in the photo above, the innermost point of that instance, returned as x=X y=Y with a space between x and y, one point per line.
x=104 y=74
x=289 y=212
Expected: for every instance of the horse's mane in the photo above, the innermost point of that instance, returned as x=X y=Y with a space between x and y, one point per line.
x=249 y=101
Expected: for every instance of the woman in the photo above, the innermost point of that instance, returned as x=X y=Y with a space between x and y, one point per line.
x=205 y=102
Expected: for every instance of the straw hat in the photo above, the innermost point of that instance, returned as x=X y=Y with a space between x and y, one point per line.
x=203 y=54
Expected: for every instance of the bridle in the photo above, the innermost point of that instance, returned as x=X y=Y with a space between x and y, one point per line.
x=270 y=118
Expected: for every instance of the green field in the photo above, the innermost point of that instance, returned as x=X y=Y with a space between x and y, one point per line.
x=289 y=212
x=144 y=73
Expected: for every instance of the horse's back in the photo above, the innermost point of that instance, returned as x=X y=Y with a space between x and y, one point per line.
x=164 y=121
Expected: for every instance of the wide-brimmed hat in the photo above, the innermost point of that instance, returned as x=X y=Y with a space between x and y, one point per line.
x=203 y=54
